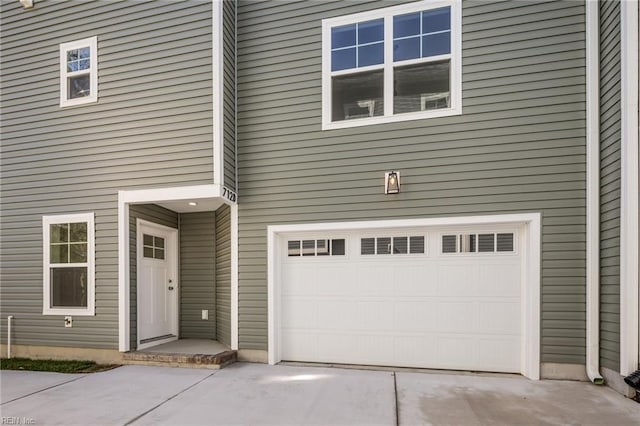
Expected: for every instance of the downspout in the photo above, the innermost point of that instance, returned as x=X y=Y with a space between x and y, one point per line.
x=9 y=320
x=593 y=192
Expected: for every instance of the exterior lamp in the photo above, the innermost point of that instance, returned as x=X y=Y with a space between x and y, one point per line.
x=633 y=380
x=392 y=182
x=27 y=4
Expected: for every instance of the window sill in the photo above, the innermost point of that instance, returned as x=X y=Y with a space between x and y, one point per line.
x=79 y=101
x=80 y=312
x=370 y=121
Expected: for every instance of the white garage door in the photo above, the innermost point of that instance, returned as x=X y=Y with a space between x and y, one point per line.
x=429 y=298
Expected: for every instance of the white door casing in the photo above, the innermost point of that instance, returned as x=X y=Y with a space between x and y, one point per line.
x=478 y=311
x=157 y=285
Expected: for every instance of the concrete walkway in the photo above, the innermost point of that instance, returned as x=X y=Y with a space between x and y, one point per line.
x=258 y=394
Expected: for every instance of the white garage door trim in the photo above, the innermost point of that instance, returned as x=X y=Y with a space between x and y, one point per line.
x=530 y=365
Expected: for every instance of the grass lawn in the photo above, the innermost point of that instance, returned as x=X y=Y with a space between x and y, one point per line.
x=55 y=366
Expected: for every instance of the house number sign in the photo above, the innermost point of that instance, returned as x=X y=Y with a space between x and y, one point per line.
x=229 y=194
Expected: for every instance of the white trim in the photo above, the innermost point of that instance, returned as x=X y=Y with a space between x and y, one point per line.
x=531 y=274
x=629 y=238
x=593 y=193
x=387 y=14
x=171 y=255
x=218 y=93
x=90 y=264
x=152 y=195
x=92 y=44
x=234 y=277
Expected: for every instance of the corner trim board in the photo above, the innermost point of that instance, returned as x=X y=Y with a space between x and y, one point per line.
x=629 y=239
x=530 y=365
x=218 y=95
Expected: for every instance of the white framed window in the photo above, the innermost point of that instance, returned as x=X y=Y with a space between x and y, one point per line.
x=79 y=72
x=68 y=264
x=393 y=64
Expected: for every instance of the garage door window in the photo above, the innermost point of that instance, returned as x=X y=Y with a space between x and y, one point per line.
x=478 y=243
x=392 y=245
x=324 y=247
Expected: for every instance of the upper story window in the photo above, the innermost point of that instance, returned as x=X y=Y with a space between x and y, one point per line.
x=393 y=64
x=79 y=72
x=69 y=264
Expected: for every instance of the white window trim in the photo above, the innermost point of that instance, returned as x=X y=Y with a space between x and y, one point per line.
x=91 y=261
x=92 y=43
x=387 y=14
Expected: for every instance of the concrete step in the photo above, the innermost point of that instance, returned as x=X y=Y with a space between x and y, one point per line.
x=211 y=361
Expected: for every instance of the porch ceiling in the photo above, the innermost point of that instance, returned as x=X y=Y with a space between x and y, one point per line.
x=183 y=206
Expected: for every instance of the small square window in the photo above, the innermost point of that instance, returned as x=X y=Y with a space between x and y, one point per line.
x=79 y=72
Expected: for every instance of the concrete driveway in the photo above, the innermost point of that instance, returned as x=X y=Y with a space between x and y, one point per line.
x=257 y=394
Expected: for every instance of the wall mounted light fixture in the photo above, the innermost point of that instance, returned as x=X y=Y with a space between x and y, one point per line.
x=392 y=182
x=27 y=4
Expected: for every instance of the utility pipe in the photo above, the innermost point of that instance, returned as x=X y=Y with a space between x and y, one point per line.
x=593 y=192
x=9 y=320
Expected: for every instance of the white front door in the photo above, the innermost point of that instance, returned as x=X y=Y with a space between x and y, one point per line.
x=157 y=284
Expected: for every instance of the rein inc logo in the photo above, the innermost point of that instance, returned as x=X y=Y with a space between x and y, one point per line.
x=5 y=420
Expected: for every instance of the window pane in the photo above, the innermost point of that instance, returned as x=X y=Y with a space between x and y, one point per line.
x=78 y=86
x=367 y=246
x=343 y=59
x=485 y=243
x=406 y=25
x=84 y=64
x=408 y=48
x=59 y=253
x=371 y=31
x=436 y=44
x=505 y=242
x=449 y=243
x=59 y=233
x=72 y=66
x=78 y=253
x=383 y=245
x=416 y=245
x=343 y=36
x=371 y=54
x=147 y=240
x=72 y=55
x=400 y=245
x=159 y=254
x=357 y=95
x=308 y=248
x=436 y=20
x=337 y=247
x=69 y=287
x=468 y=243
x=78 y=232
x=421 y=87
x=293 y=248
x=148 y=252
x=158 y=242
x=84 y=53
x=322 y=247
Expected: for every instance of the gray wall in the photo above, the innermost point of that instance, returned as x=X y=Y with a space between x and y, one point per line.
x=197 y=274
x=151 y=127
x=610 y=184
x=223 y=274
x=151 y=213
x=518 y=147
x=229 y=45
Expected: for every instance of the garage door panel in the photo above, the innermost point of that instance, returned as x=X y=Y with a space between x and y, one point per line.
x=411 y=351
x=416 y=280
x=495 y=353
x=334 y=279
x=457 y=279
x=300 y=313
x=375 y=279
x=296 y=281
x=456 y=317
x=336 y=314
x=455 y=351
x=416 y=316
x=497 y=280
x=375 y=315
x=499 y=317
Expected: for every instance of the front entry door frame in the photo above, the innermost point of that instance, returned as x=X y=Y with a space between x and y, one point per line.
x=171 y=257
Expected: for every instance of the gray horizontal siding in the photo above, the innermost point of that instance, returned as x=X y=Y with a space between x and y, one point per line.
x=518 y=147
x=150 y=213
x=197 y=275
x=223 y=274
x=610 y=184
x=229 y=46
x=151 y=127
